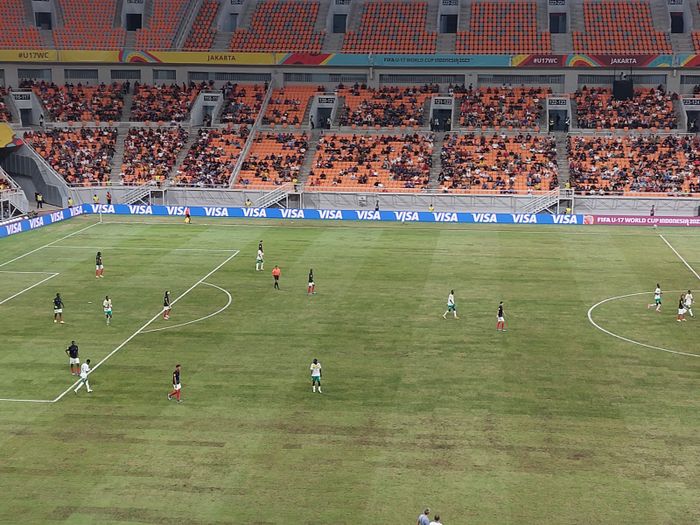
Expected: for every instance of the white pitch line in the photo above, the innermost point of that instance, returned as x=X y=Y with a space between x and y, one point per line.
x=652 y=347
x=140 y=330
x=29 y=288
x=37 y=273
x=230 y=299
x=139 y=248
x=26 y=400
x=49 y=244
x=680 y=257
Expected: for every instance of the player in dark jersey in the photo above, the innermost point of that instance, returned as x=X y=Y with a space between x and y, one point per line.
x=177 y=386
x=166 y=305
x=500 y=319
x=58 y=309
x=188 y=217
x=73 y=361
x=311 y=287
x=99 y=268
x=681 y=309
x=260 y=246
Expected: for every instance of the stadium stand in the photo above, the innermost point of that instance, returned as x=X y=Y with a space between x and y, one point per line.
x=392 y=27
x=80 y=103
x=596 y=108
x=384 y=107
x=619 y=27
x=162 y=26
x=274 y=158
x=281 y=26
x=14 y=31
x=491 y=107
x=362 y=162
x=635 y=164
x=150 y=153
x=242 y=103
x=212 y=158
x=163 y=103
x=501 y=163
x=80 y=155
x=5 y=115
x=89 y=25
x=203 y=30
x=503 y=27
x=288 y=105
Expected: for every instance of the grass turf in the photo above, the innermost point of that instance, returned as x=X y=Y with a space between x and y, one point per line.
x=551 y=422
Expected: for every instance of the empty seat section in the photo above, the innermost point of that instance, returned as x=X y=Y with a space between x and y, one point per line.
x=162 y=26
x=79 y=155
x=89 y=25
x=163 y=103
x=15 y=32
x=281 y=26
x=274 y=159
x=372 y=162
x=384 y=107
x=203 y=31
x=392 y=27
x=503 y=27
x=150 y=153
x=288 y=105
x=649 y=108
x=619 y=27
x=211 y=159
x=518 y=107
x=242 y=103
x=498 y=163
x=81 y=103
x=626 y=164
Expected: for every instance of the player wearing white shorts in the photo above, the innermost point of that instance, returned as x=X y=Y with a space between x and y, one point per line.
x=73 y=361
x=311 y=287
x=260 y=261
x=58 y=309
x=99 y=267
x=316 y=375
x=84 y=373
x=451 y=306
x=681 y=309
x=657 y=298
x=166 y=305
x=107 y=307
x=500 y=318
x=689 y=303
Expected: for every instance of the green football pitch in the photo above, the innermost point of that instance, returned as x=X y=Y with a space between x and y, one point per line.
x=554 y=421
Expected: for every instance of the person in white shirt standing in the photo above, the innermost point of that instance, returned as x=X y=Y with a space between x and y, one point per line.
x=107 y=307
x=316 y=375
x=436 y=520
x=260 y=261
x=689 y=302
x=657 y=298
x=84 y=373
x=451 y=306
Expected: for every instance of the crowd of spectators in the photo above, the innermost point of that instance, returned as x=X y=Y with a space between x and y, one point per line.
x=274 y=159
x=212 y=158
x=150 y=153
x=79 y=102
x=378 y=161
x=505 y=163
x=163 y=103
x=80 y=155
x=648 y=108
x=288 y=105
x=638 y=164
x=519 y=107
x=5 y=115
x=242 y=103
x=385 y=106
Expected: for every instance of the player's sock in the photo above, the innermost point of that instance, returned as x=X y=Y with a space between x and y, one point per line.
x=314 y=387
x=319 y=390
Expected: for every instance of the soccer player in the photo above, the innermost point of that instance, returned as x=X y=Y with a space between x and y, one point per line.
x=276 y=272
x=177 y=386
x=107 y=307
x=316 y=375
x=188 y=217
x=689 y=303
x=500 y=319
x=84 y=373
x=260 y=259
x=657 y=298
x=73 y=360
x=166 y=305
x=311 y=288
x=681 y=309
x=99 y=268
x=451 y=306
x=58 y=309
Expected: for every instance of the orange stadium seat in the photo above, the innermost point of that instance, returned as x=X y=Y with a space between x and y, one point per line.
x=649 y=108
x=619 y=27
x=274 y=159
x=516 y=108
x=162 y=26
x=212 y=158
x=392 y=27
x=278 y=26
x=150 y=154
x=288 y=105
x=384 y=107
x=503 y=28
x=80 y=103
x=163 y=103
x=203 y=31
x=89 y=25
x=242 y=103
x=15 y=33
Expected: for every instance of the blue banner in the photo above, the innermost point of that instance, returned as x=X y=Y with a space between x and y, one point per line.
x=39 y=222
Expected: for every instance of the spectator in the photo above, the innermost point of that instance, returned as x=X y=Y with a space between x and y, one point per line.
x=504 y=107
x=79 y=103
x=274 y=159
x=150 y=153
x=163 y=103
x=241 y=103
x=385 y=106
x=212 y=158
x=424 y=518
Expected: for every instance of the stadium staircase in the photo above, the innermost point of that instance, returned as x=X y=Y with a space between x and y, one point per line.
x=333 y=42
x=276 y=196
x=118 y=157
x=221 y=41
x=563 y=171
x=308 y=164
x=446 y=43
x=340 y=104
x=130 y=42
x=128 y=100
x=436 y=166
x=12 y=108
x=660 y=17
x=322 y=17
x=245 y=18
x=576 y=21
x=186 y=23
x=118 y=13
x=182 y=154
x=140 y=194
x=695 y=13
x=464 y=19
x=548 y=202
x=682 y=43
x=431 y=18
x=542 y=17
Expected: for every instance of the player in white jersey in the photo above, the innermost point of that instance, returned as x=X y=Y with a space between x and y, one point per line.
x=657 y=298
x=451 y=306
x=689 y=303
x=107 y=307
x=316 y=375
x=260 y=260
x=84 y=373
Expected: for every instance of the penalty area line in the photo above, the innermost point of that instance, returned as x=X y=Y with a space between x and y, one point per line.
x=146 y=325
x=29 y=287
x=680 y=257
